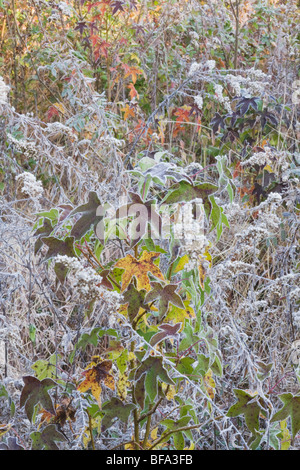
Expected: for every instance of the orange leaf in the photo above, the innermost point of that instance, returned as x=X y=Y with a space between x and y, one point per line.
x=132 y=71
x=139 y=269
x=133 y=93
x=127 y=112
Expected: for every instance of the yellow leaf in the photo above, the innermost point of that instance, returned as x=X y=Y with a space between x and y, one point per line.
x=94 y=375
x=209 y=384
x=178 y=315
x=60 y=107
x=4 y=428
x=154 y=433
x=268 y=169
x=139 y=269
x=286 y=437
x=122 y=385
x=181 y=263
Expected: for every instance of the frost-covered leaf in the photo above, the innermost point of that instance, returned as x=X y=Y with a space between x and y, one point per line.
x=139 y=268
x=162 y=171
x=59 y=247
x=115 y=408
x=153 y=369
x=248 y=405
x=36 y=392
x=291 y=407
x=187 y=192
x=167 y=331
x=11 y=444
x=95 y=375
x=92 y=214
x=47 y=438
x=135 y=300
x=166 y=295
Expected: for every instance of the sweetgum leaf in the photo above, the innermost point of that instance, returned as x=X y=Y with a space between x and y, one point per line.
x=115 y=408
x=61 y=272
x=12 y=444
x=147 y=216
x=249 y=406
x=34 y=392
x=167 y=332
x=95 y=375
x=166 y=294
x=88 y=217
x=46 y=439
x=135 y=300
x=162 y=171
x=59 y=247
x=291 y=408
x=139 y=268
x=153 y=369
x=41 y=232
x=186 y=192
x=140 y=391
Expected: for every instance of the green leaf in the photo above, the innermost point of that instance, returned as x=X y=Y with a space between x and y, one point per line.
x=186 y=192
x=43 y=231
x=46 y=439
x=135 y=300
x=32 y=333
x=153 y=369
x=115 y=408
x=249 y=406
x=45 y=369
x=291 y=408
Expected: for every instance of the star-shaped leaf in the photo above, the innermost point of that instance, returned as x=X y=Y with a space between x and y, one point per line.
x=43 y=231
x=12 y=444
x=166 y=295
x=291 y=408
x=177 y=314
x=139 y=268
x=167 y=331
x=92 y=214
x=187 y=192
x=153 y=369
x=135 y=300
x=115 y=408
x=34 y=392
x=59 y=247
x=95 y=375
x=162 y=171
x=46 y=439
x=146 y=217
x=248 y=405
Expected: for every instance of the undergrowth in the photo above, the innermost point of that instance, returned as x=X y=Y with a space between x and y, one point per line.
x=149 y=225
